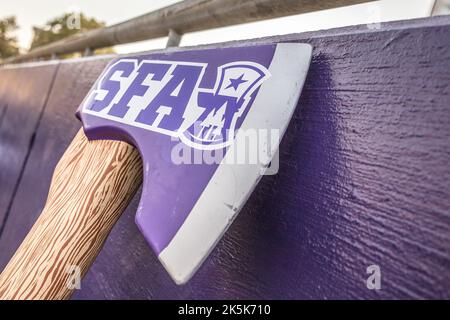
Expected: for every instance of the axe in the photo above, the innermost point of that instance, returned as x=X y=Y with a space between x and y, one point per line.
x=170 y=110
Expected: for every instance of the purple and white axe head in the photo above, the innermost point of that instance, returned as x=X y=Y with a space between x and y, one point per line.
x=207 y=124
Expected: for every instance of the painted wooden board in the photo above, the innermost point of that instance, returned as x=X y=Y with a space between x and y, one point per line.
x=364 y=179
x=23 y=94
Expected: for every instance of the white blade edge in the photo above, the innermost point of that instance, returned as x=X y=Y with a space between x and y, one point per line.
x=232 y=184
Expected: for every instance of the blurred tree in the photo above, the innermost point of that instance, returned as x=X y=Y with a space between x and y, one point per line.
x=65 y=26
x=8 y=43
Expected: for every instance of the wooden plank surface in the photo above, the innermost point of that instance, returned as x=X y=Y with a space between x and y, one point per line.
x=364 y=179
x=23 y=94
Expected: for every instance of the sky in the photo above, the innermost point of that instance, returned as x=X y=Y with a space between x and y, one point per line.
x=31 y=13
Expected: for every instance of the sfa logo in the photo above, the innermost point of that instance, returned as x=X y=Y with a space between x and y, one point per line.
x=165 y=97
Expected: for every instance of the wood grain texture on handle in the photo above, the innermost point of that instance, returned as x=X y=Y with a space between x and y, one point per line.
x=92 y=184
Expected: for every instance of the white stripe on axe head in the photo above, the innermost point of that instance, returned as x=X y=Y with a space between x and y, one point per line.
x=232 y=183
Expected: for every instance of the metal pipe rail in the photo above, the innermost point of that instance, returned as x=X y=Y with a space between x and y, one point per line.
x=180 y=18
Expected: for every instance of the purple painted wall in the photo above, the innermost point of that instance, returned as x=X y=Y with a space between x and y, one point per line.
x=364 y=179
x=23 y=95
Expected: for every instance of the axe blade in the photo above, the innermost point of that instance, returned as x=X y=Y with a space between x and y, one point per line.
x=153 y=101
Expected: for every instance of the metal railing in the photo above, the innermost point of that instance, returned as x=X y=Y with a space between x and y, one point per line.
x=180 y=18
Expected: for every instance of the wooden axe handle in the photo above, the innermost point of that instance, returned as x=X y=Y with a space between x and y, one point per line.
x=92 y=185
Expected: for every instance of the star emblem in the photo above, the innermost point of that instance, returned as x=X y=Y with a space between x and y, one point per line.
x=236 y=82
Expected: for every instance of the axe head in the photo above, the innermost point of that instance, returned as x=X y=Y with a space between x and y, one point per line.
x=207 y=124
